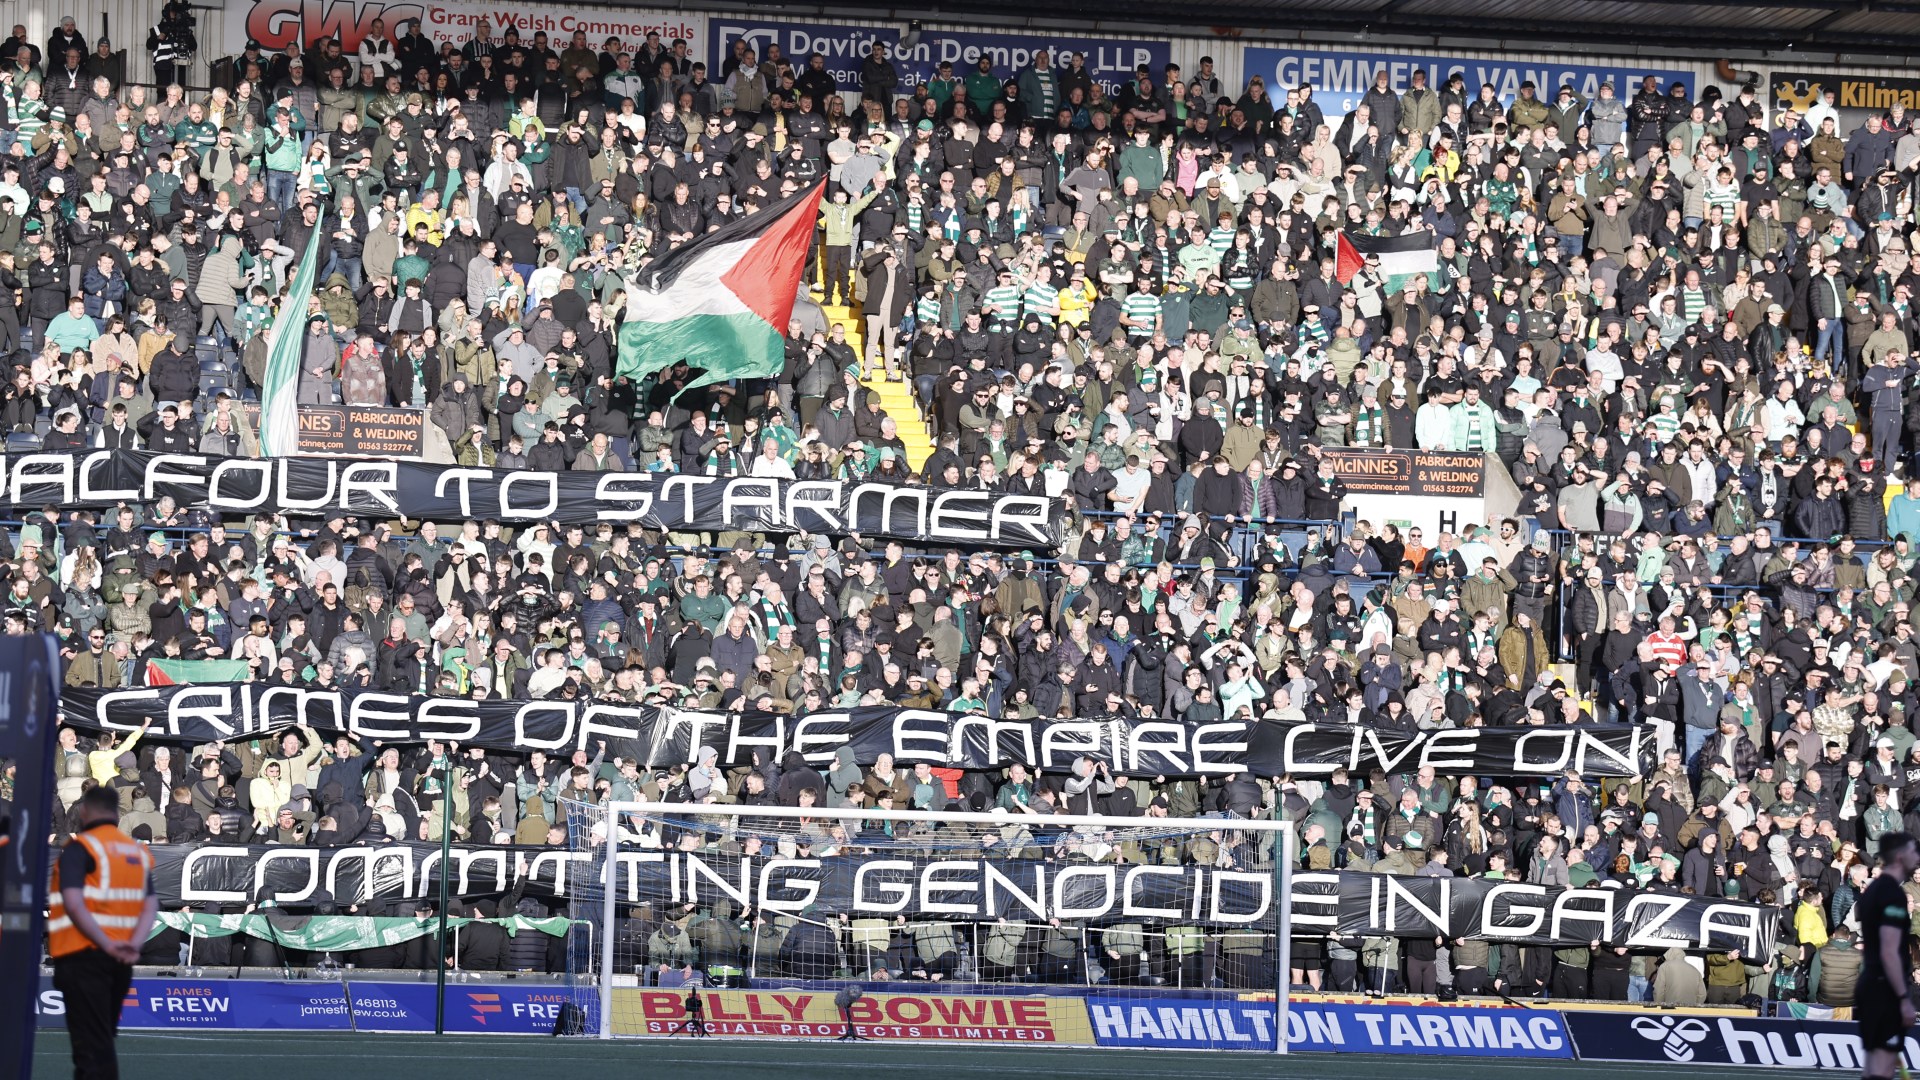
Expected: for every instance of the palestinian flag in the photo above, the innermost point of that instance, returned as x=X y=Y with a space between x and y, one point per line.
x=183 y=672
x=1401 y=257
x=721 y=302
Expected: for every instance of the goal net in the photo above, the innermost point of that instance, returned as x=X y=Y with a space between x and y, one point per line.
x=729 y=920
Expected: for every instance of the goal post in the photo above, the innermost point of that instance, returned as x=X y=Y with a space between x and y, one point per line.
x=1181 y=923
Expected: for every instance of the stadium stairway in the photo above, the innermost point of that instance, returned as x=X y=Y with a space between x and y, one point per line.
x=896 y=398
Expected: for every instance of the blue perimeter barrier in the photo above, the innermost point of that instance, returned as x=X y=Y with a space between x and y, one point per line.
x=1118 y=1017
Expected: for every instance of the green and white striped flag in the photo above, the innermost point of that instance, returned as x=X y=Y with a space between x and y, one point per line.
x=286 y=339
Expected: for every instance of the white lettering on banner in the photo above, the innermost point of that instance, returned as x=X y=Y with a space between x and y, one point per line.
x=1100 y=875
x=1398 y=893
x=259 y=475
x=980 y=887
x=821 y=500
x=1205 y=750
x=1316 y=901
x=666 y=736
x=1127 y=893
x=1784 y=1046
x=993 y=882
x=1648 y=914
x=1521 y=899
x=697 y=869
x=377 y=480
x=887 y=897
x=208 y=853
x=1198 y=1024
x=1224 y=880
x=521 y=717
x=1573 y=911
x=743 y=495
x=461 y=480
x=369 y=860
x=376 y=487
x=542 y=482
x=307 y=859
x=795 y=893
x=933 y=884
x=622 y=504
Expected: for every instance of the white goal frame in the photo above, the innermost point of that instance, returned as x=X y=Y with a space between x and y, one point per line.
x=1283 y=891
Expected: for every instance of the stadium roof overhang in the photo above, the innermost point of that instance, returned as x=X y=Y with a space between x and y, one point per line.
x=1774 y=31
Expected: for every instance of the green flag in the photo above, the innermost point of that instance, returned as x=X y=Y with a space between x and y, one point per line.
x=286 y=339
x=182 y=672
x=721 y=303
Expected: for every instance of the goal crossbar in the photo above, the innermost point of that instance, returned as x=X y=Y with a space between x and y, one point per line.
x=679 y=810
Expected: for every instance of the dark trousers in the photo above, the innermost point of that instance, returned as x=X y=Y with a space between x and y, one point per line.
x=1569 y=982
x=1422 y=976
x=837 y=283
x=1586 y=654
x=1608 y=984
x=94 y=986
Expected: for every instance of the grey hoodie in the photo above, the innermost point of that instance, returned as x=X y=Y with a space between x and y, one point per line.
x=844 y=775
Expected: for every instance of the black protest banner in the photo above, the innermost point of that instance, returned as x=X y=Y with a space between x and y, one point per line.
x=661 y=737
x=870 y=882
x=1382 y=905
x=422 y=491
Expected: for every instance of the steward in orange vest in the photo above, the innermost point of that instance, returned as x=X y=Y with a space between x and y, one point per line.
x=102 y=908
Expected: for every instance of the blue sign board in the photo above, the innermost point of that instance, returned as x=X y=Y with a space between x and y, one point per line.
x=1217 y=1023
x=1340 y=78
x=1111 y=62
x=262 y=1005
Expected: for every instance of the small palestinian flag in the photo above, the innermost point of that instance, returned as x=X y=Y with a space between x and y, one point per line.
x=183 y=672
x=1401 y=257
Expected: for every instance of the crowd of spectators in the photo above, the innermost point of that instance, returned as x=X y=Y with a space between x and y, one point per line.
x=1680 y=318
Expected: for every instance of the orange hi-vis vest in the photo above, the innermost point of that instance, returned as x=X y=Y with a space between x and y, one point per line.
x=116 y=891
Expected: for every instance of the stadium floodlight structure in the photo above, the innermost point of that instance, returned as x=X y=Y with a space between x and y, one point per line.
x=1224 y=875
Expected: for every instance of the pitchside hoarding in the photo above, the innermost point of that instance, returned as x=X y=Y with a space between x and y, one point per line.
x=912 y=1017
x=1685 y=1041
x=1329 y=1027
x=323 y=1005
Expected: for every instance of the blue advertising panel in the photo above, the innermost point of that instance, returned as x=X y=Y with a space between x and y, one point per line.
x=259 y=1005
x=1341 y=78
x=505 y=1008
x=1216 y=1023
x=254 y=1005
x=1111 y=61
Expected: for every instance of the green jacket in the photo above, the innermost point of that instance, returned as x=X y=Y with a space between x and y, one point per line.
x=837 y=218
x=982 y=89
x=1144 y=163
